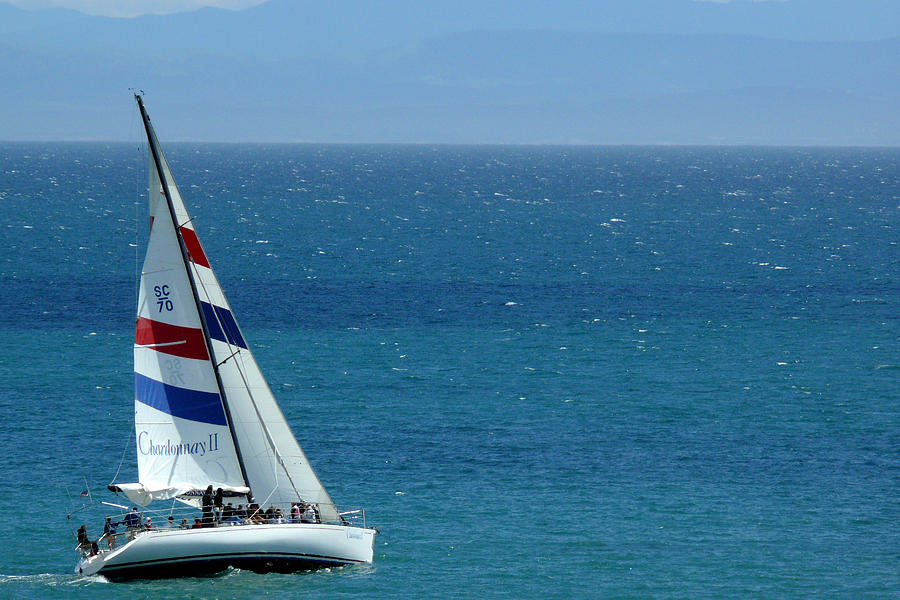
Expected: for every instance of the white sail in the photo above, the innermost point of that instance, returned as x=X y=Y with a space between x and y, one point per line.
x=204 y=412
x=182 y=435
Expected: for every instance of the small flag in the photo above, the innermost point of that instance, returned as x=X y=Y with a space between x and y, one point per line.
x=84 y=493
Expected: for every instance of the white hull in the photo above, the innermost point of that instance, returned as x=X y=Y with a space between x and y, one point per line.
x=260 y=548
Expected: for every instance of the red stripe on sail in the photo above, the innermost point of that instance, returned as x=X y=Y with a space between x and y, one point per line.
x=192 y=243
x=185 y=342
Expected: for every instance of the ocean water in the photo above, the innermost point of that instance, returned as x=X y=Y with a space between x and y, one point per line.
x=545 y=372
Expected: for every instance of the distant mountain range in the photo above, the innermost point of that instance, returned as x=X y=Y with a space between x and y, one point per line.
x=508 y=72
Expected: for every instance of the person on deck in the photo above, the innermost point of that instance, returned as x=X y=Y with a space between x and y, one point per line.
x=229 y=515
x=86 y=545
x=309 y=514
x=132 y=522
x=255 y=514
x=206 y=504
x=218 y=505
x=109 y=532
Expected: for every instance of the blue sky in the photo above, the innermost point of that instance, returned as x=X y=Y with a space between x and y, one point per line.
x=783 y=72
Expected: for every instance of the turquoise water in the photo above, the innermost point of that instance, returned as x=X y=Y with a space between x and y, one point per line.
x=544 y=372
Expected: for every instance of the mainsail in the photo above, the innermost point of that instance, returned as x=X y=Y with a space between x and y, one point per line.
x=204 y=414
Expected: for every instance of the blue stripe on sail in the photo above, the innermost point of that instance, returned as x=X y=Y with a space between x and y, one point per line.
x=204 y=407
x=222 y=325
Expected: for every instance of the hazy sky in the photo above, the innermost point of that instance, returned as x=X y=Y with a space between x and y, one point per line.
x=133 y=8
x=783 y=72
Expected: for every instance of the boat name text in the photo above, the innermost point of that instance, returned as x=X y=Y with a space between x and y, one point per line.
x=149 y=447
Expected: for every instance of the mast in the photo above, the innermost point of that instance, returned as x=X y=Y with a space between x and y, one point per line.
x=157 y=161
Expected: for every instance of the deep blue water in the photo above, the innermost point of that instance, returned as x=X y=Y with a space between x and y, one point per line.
x=545 y=372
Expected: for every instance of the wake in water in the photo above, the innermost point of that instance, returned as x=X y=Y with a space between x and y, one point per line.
x=75 y=580
x=51 y=580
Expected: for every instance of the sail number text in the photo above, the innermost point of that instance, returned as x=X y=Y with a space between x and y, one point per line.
x=173 y=372
x=162 y=298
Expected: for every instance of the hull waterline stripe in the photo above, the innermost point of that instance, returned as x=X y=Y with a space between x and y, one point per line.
x=186 y=342
x=204 y=407
x=227 y=556
x=222 y=326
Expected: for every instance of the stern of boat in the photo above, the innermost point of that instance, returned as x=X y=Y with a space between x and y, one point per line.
x=90 y=565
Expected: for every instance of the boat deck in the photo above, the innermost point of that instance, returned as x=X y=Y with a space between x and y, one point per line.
x=177 y=517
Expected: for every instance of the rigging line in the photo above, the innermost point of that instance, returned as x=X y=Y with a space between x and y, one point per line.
x=71 y=504
x=124 y=451
x=240 y=370
x=238 y=351
x=138 y=172
x=269 y=438
x=266 y=501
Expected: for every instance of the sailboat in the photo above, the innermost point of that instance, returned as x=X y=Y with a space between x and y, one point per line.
x=205 y=419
